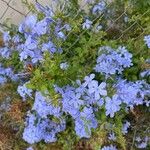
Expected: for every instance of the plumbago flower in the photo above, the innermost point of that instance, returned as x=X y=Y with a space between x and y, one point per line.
x=112 y=105
x=28 y=42
x=88 y=79
x=111 y=147
x=7 y=73
x=112 y=136
x=142 y=143
x=64 y=66
x=96 y=89
x=38 y=129
x=75 y=99
x=87 y=24
x=85 y=121
x=125 y=127
x=6 y=37
x=24 y=91
x=99 y=8
x=5 y=52
x=128 y=93
x=82 y=101
x=132 y=93
x=44 y=107
x=113 y=61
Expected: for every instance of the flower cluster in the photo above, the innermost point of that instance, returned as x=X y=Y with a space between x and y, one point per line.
x=40 y=126
x=142 y=143
x=99 y=8
x=7 y=73
x=84 y=100
x=38 y=129
x=111 y=147
x=33 y=30
x=133 y=93
x=78 y=103
x=112 y=105
x=113 y=61
x=28 y=42
x=44 y=107
x=24 y=91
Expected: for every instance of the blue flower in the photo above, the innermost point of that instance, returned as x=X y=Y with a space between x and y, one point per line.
x=112 y=62
x=81 y=87
x=61 y=35
x=125 y=127
x=24 y=54
x=37 y=57
x=30 y=148
x=111 y=147
x=32 y=132
x=87 y=24
x=28 y=24
x=38 y=129
x=100 y=102
x=27 y=49
x=96 y=89
x=112 y=136
x=24 y=91
x=125 y=57
x=44 y=107
x=85 y=122
x=16 y=39
x=138 y=139
x=30 y=43
x=5 y=52
x=99 y=8
x=131 y=93
x=49 y=47
x=71 y=102
x=147 y=40
x=67 y=27
x=7 y=73
x=112 y=105
x=145 y=73
x=142 y=143
x=88 y=79
x=41 y=27
x=6 y=37
x=64 y=66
